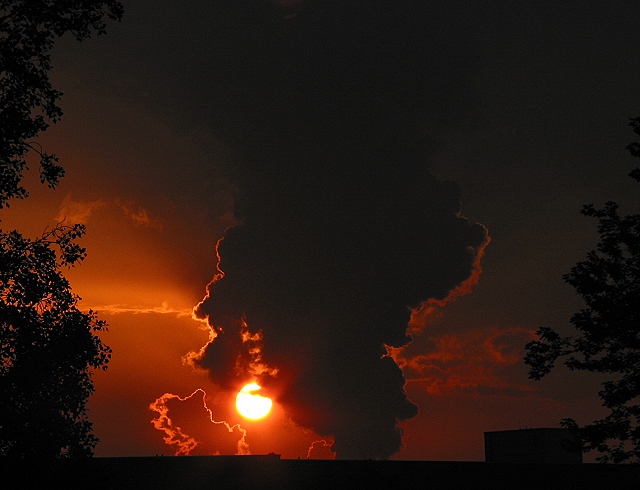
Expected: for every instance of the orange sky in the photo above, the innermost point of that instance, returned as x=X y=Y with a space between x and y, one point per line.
x=150 y=189
x=134 y=275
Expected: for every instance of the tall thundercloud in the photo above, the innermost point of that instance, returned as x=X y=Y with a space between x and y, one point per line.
x=342 y=229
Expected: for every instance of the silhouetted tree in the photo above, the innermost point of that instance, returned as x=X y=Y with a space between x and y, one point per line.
x=48 y=347
x=28 y=102
x=609 y=327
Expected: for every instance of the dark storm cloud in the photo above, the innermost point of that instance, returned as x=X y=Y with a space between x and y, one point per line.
x=332 y=118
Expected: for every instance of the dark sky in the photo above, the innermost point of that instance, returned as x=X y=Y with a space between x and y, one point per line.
x=368 y=148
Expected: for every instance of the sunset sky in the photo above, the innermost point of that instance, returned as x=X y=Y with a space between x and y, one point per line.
x=344 y=135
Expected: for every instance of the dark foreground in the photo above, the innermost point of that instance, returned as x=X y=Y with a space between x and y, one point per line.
x=272 y=472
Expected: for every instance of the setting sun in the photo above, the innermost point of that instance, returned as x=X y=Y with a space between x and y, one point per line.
x=250 y=405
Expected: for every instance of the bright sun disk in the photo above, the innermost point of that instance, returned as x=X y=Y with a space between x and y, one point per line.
x=251 y=405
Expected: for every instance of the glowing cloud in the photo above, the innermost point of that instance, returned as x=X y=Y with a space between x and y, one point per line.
x=138 y=214
x=174 y=436
x=474 y=361
x=319 y=449
x=431 y=307
x=164 y=309
x=238 y=350
x=76 y=211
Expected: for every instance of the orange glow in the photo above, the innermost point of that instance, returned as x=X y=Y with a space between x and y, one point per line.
x=478 y=361
x=251 y=405
x=321 y=449
x=175 y=436
x=430 y=308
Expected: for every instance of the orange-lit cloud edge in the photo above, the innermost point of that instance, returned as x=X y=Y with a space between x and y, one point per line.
x=458 y=360
x=183 y=443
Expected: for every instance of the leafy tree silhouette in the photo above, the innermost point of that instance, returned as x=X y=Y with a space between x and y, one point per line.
x=609 y=282
x=48 y=347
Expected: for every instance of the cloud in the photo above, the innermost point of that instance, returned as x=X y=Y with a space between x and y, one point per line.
x=76 y=211
x=232 y=360
x=175 y=436
x=138 y=214
x=164 y=309
x=344 y=232
x=476 y=362
x=79 y=211
x=320 y=449
x=327 y=305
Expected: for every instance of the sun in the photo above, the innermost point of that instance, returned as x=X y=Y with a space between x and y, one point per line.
x=250 y=405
